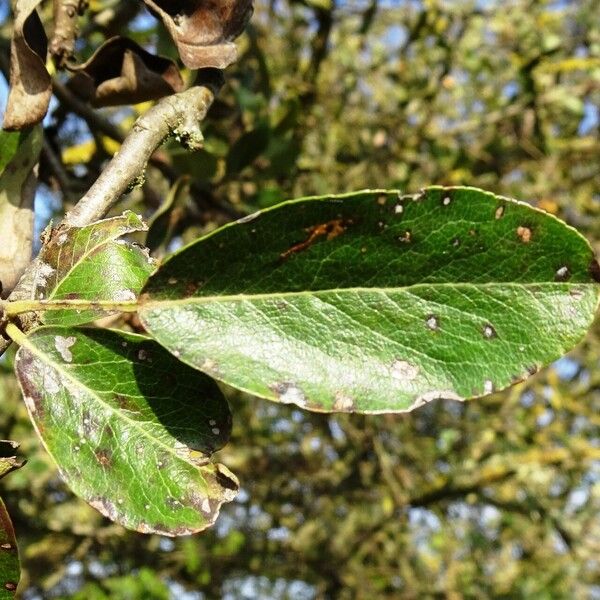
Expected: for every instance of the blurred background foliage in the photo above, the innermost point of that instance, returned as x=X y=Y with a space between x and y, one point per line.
x=498 y=497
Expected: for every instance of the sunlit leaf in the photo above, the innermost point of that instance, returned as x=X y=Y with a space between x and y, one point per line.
x=130 y=427
x=377 y=302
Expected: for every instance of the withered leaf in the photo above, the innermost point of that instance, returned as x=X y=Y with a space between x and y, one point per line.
x=30 y=83
x=203 y=30
x=121 y=72
x=8 y=459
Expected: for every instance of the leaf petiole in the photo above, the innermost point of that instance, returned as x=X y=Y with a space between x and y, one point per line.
x=21 y=306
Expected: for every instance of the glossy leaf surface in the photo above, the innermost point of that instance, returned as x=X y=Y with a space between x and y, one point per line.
x=373 y=302
x=10 y=571
x=130 y=427
x=91 y=263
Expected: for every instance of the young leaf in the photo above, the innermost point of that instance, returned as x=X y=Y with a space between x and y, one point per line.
x=90 y=263
x=129 y=426
x=10 y=571
x=376 y=302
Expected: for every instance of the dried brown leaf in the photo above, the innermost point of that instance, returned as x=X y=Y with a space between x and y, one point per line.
x=121 y=72
x=30 y=83
x=203 y=30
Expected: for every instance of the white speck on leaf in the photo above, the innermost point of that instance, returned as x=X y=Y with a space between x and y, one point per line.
x=399 y=209
x=432 y=323
x=142 y=354
x=446 y=200
x=62 y=345
x=488 y=386
x=562 y=274
x=205 y=505
x=489 y=332
x=216 y=430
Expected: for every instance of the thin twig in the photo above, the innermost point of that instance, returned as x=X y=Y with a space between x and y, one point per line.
x=176 y=115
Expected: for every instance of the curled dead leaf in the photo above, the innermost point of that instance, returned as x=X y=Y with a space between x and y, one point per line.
x=121 y=72
x=204 y=30
x=30 y=83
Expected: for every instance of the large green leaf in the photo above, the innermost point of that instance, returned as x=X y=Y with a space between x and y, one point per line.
x=130 y=427
x=10 y=571
x=91 y=263
x=374 y=302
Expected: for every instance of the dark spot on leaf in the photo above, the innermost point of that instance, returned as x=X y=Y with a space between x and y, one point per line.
x=32 y=395
x=281 y=305
x=104 y=457
x=72 y=296
x=532 y=369
x=594 y=270
x=124 y=402
x=191 y=288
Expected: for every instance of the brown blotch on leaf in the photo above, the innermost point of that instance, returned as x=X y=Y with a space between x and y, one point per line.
x=329 y=230
x=125 y=403
x=191 y=288
x=121 y=72
x=524 y=234
x=104 y=457
x=203 y=30
x=30 y=83
x=10 y=586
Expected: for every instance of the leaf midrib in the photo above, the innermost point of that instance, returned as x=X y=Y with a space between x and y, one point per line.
x=58 y=367
x=213 y=299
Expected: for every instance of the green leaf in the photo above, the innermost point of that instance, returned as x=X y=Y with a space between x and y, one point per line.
x=9 y=144
x=91 y=263
x=10 y=572
x=129 y=426
x=376 y=302
x=165 y=220
x=247 y=149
